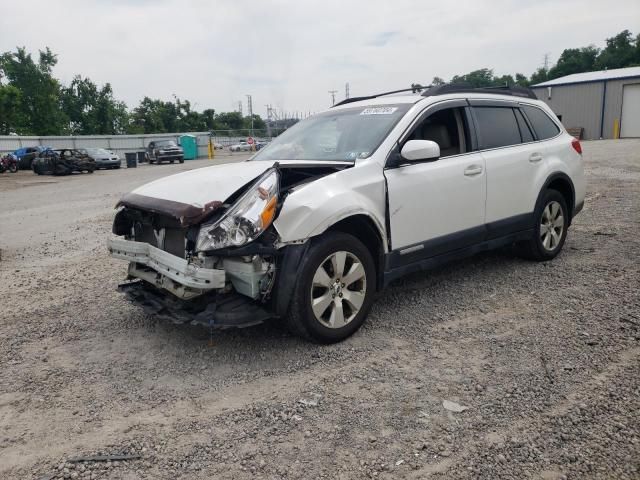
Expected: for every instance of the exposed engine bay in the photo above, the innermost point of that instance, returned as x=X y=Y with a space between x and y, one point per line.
x=174 y=264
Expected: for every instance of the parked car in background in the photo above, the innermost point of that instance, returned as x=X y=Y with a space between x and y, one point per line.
x=164 y=151
x=104 y=158
x=26 y=155
x=240 y=147
x=218 y=146
x=260 y=145
x=63 y=161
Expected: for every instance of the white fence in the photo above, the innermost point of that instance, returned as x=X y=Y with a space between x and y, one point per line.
x=117 y=143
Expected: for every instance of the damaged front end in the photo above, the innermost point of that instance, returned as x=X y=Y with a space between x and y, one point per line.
x=212 y=263
x=177 y=260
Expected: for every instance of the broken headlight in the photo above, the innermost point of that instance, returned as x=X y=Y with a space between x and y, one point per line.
x=246 y=219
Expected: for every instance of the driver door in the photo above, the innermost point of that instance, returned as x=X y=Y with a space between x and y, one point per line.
x=437 y=206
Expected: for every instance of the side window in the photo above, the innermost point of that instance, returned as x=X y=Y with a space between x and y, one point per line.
x=525 y=131
x=497 y=127
x=448 y=128
x=542 y=124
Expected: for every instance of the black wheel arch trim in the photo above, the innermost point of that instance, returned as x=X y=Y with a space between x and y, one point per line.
x=573 y=210
x=287 y=277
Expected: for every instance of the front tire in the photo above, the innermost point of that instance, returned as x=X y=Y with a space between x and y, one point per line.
x=335 y=290
x=551 y=219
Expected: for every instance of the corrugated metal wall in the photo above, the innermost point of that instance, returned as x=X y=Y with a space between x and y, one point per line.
x=580 y=105
x=117 y=143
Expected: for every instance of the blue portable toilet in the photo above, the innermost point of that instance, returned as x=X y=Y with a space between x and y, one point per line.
x=189 y=144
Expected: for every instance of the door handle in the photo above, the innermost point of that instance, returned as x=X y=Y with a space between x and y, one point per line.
x=535 y=157
x=473 y=170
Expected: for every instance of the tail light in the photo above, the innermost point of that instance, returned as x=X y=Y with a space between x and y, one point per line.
x=575 y=143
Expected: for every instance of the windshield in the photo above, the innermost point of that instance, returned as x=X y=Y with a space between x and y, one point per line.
x=166 y=143
x=336 y=135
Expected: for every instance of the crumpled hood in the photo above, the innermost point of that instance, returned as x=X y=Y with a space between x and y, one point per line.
x=190 y=196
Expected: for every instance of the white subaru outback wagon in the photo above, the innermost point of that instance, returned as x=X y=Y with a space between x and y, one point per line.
x=341 y=204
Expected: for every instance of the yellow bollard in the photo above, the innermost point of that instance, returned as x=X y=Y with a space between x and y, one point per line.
x=616 y=128
x=211 y=150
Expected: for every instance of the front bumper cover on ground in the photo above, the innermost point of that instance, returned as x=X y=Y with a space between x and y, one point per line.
x=175 y=268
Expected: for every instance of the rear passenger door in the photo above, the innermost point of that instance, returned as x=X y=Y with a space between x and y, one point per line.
x=513 y=159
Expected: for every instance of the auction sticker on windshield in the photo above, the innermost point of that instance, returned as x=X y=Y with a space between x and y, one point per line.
x=379 y=111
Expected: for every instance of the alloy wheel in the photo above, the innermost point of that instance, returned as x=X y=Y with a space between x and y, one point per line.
x=338 y=289
x=551 y=226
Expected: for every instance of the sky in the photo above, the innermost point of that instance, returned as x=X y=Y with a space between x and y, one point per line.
x=290 y=54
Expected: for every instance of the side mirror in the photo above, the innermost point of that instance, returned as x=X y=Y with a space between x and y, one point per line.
x=417 y=150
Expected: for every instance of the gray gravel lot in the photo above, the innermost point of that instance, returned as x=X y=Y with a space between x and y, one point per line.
x=545 y=356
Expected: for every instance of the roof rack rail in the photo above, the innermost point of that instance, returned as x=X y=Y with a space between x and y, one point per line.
x=433 y=90
x=413 y=89
x=513 y=90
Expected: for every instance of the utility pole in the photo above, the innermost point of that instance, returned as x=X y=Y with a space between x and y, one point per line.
x=250 y=108
x=546 y=61
x=346 y=90
x=269 y=119
x=333 y=96
x=240 y=107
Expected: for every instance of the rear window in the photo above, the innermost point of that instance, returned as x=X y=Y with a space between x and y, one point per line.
x=497 y=127
x=542 y=124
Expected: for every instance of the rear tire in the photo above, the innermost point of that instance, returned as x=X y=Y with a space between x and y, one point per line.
x=335 y=290
x=551 y=219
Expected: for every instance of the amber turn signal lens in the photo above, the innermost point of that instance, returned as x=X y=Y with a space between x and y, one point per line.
x=269 y=212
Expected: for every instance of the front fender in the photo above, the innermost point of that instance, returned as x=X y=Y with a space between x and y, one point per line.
x=312 y=209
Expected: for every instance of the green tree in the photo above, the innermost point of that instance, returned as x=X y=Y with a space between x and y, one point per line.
x=258 y=123
x=230 y=121
x=503 y=80
x=477 y=78
x=39 y=105
x=210 y=119
x=621 y=51
x=78 y=103
x=522 y=80
x=539 y=76
x=110 y=115
x=154 y=116
x=9 y=109
x=575 y=60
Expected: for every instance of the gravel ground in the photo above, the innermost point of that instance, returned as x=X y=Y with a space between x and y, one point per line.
x=545 y=358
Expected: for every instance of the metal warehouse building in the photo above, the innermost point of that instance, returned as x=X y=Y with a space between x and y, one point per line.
x=605 y=104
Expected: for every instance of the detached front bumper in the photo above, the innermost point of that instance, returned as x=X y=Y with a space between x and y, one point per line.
x=166 y=265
